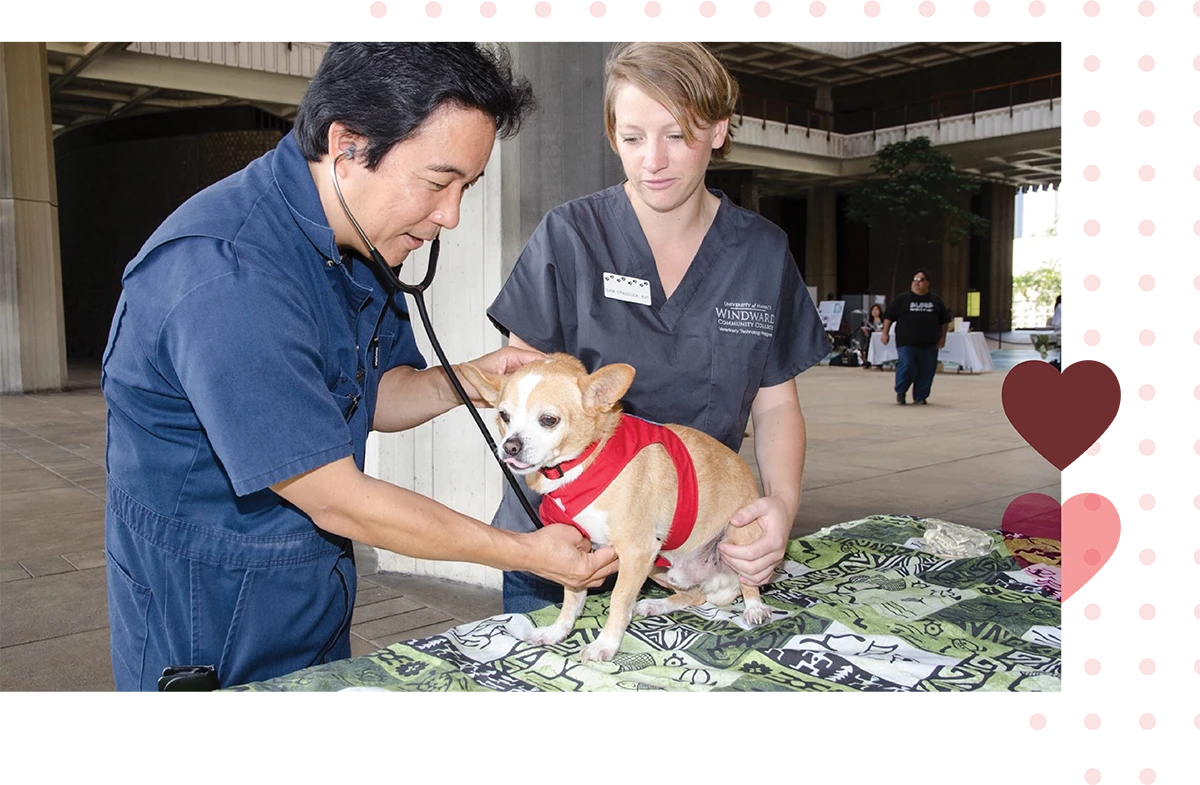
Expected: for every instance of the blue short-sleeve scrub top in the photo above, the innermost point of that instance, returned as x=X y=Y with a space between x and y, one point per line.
x=244 y=351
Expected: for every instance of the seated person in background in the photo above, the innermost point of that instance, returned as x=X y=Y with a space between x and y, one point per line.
x=872 y=324
x=1056 y=319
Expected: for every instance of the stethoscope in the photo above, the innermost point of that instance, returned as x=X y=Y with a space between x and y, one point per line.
x=418 y=294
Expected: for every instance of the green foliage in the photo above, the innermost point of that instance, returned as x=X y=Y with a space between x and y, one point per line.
x=1039 y=286
x=916 y=193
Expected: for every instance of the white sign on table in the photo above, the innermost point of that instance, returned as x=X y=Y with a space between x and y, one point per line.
x=831 y=314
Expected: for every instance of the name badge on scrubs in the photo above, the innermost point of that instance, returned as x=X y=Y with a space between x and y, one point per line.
x=627 y=289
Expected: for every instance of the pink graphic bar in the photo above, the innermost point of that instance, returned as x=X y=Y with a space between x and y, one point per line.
x=1126 y=448
x=1134 y=172
x=1168 y=396
x=1144 y=340
x=1168 y=499
x=1139 y=115
x=1175 y=556
x=1139 y=227
x=1153 y=443
x=541 y=12
x=1169 y=442
x=1141 y=64
x=1139 y=283
x=1139 y=612
x=1143 y=669
x=1114 y=724
x=1139 y=775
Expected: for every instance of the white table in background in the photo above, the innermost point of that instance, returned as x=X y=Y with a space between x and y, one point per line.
x=969 y=351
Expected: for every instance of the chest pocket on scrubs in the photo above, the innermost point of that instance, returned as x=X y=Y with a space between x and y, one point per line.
x=736 y=372
x=384 y=342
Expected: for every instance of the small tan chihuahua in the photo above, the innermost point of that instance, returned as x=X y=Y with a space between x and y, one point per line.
x=645 y=489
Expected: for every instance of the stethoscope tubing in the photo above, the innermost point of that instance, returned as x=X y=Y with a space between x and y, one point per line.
x=417 y=292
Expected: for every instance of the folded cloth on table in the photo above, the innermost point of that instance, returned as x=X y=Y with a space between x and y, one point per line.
x=953 y=540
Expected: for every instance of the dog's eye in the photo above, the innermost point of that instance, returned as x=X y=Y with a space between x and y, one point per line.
x=504 y=416
x=548 y=420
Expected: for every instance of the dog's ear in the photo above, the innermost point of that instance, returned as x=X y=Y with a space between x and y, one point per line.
x=486 y=384
x=602 y=389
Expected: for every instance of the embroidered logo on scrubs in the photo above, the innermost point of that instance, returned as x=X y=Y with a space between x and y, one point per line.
x=746 y=319
x=626 y=288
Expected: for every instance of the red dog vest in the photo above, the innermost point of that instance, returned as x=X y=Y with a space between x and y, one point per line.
x=631 y=436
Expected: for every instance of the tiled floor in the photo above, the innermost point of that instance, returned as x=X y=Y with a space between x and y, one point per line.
x=957 y=459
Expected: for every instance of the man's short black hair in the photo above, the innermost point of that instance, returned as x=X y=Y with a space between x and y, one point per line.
x=921 y=272
x=385 y=91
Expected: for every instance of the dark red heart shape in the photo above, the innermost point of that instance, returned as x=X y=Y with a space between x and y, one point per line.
x=1062 y=413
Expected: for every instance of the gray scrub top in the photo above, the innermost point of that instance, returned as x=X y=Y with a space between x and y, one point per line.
x=740 y=319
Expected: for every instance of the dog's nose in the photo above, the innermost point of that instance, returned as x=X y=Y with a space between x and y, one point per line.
x=512 y=446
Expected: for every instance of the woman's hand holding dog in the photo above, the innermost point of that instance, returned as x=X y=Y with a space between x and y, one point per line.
x=755 y=563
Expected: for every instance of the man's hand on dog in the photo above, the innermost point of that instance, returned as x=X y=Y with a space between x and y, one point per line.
x=500 y=362
x=563 y=555
x=755 y=563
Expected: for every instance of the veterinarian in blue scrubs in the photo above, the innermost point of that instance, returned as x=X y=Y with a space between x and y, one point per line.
x=702 y=297
x=253 y=350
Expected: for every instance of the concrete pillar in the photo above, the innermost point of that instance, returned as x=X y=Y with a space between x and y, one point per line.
x=740 y=185
x=1000 y=208
x=824 y=102
x=32 y=338
x=771 y=208
x=749 y=191
x=951 y=285
x=951 y=282
x=820 y=248
x=561 y=153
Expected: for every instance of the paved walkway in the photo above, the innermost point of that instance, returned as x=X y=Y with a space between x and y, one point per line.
x=957 y=458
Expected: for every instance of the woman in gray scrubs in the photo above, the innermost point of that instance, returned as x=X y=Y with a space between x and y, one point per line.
x=702 y=297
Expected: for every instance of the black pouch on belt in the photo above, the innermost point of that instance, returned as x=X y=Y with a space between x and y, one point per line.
x=188 y=678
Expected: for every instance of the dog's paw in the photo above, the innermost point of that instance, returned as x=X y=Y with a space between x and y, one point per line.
x=652 y=607
x=546 y=636
x=756 y=614
x=599 y=650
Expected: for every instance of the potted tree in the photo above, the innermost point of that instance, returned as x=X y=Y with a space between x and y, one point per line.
x=914 y=199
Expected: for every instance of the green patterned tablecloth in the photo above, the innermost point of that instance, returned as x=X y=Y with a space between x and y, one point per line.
x=857 y=607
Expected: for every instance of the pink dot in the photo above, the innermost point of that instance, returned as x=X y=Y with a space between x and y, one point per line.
x=1091 y=62
x=1091 y=8
x=1196 y=390
x=1091 y=228
x=1146 y=63
x=542 y=9
x=1092 y=611
x=983 y=9
x=1196 y=8
x=1196 y=504
x=816 y=9
x=1146 y=557
x=1196 y=227
x=1196 y=337
x=1037 y=722
x=597 y=9
x=1091 y=721
x=1196 y=447
x=1146 y=228
x=1146 y=337
x=1196 y=555
x=1146 y=447
x=488 y=9
x=653 y=9
x=1092 y=667
x=1147 y=775
x=871 y=9
x=1146 y=282
x=1196 y=721
x=764 y=9
x=1092 y=557
x=1196 y=63
x=927 y=9
x=1091 y=337
x=378 y=10
x=1146 y=173
x=1146 y=666
x=1092 y=117
x=1092 y=502
x=1146 y=721
x=1146 y=612
x=1094 y=449
x=1091 y=776
x=1146 y=502
x=1146 y=118
x=1196 y=118
x=1037 y=8
x=1196 y=612
x=707 y=9
x=1146 y=8
x=1196 y=282
x=1091 y=173
x=1091 y=283
x=433 y=10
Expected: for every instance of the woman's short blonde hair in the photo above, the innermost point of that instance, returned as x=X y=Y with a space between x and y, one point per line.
x=684 y=77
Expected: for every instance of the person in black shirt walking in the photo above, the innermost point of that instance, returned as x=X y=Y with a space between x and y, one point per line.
x=921 y=321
